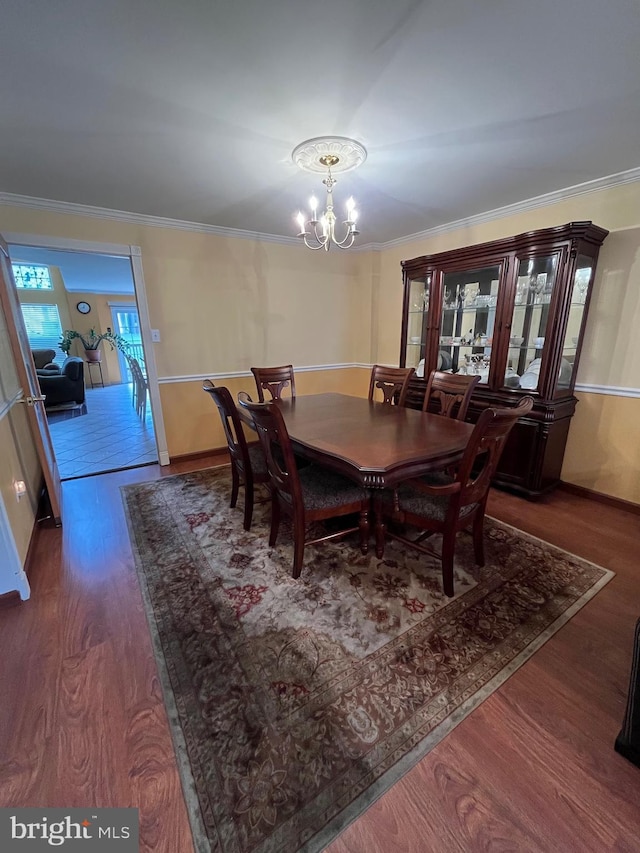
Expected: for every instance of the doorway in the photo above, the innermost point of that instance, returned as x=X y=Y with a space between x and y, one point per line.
x=132 y=321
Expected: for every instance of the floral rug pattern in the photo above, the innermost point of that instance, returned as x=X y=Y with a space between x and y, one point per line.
x=296 y=703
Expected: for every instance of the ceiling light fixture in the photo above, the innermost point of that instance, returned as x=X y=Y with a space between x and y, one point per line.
x=328 y=154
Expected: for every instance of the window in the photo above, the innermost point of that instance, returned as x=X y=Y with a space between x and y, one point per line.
x=43 y=328
x=32 y=277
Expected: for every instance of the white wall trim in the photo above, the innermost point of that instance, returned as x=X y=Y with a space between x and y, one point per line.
x=239 y=374
x=134 y=253
x=139 y=219
x=12 y=574
x=626 y=177
x=66 y=243
x=149 y=356
x=609 y=390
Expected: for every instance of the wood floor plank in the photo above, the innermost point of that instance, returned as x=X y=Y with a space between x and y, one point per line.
x=82 y=719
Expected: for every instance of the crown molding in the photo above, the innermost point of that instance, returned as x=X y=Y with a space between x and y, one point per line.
x=628 y=177
x=72 y=208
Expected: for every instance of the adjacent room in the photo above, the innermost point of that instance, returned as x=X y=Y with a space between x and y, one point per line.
x=319 y=425
x=97 y=419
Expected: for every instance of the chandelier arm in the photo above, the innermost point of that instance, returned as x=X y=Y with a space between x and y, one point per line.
x=314 y=248
x=344 y=244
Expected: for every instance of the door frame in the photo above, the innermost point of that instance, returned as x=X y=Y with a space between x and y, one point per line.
x=114 y=307
x=134 y=253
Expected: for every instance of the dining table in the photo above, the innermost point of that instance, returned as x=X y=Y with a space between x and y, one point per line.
x=377 y=445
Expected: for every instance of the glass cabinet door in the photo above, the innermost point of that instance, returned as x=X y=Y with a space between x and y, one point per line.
x=579 y=293
x=534 y=290
x=469 y=300
x=418 y=311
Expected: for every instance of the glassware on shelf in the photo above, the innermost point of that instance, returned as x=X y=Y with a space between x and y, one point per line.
x=581 y=285
x=522 y=290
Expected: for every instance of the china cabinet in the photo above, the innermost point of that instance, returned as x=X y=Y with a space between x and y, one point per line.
x=512 y=311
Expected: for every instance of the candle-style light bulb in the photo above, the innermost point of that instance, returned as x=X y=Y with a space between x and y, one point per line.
x=300 y=218
x=351 y=207
x=325 y=226
x=313 y=203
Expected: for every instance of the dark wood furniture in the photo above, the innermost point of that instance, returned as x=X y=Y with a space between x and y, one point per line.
x=447 y=504
x=373 y=444
x=448 y=394
x=248 y=465
x=392 y=381
x=628 y=741
x=513 y=312
x=312 y=494
x=274 y=380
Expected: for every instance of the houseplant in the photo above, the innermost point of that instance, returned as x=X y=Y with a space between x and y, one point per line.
x=91 y=341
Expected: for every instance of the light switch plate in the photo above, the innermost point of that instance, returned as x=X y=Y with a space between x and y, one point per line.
x=155 y=335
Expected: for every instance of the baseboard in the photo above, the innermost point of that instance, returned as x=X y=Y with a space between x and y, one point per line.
x=217 y=453
x=590 y=494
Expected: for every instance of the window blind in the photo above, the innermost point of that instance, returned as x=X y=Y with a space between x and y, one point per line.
x=43 y=328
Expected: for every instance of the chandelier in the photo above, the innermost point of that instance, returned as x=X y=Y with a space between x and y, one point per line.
x=328 y=155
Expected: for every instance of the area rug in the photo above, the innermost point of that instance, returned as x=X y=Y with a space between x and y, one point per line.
x=294 y=704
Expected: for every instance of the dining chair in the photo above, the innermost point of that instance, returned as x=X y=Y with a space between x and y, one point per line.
x=274 y=380
x=140 y=386
x=457 y=501
x=448 y=394
x=306 y=495
x=248 y=465
x=392 y=381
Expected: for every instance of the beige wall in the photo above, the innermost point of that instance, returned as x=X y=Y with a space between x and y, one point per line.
x=224 y=304
x=603 y=452
x=99 y=318
x=192 y=421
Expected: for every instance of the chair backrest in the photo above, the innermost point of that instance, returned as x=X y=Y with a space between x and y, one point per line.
x=484 y=449
x=274 y=380
x=231 y=423
x=391 y=381
x=448 y=394
x=42 y=357
x=281 y=465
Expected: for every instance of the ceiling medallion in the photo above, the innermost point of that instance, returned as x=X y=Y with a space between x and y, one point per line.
x=328 y=155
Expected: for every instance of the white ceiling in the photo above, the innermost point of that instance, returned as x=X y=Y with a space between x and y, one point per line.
x=82 y=272
x=190 y=110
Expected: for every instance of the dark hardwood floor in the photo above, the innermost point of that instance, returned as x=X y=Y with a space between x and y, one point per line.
x=532 y=769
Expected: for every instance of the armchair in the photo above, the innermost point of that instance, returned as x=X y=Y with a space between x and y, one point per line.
x=64 y=386
x=43 y=360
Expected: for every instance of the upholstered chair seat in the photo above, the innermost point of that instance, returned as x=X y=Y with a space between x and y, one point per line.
x=306 y=495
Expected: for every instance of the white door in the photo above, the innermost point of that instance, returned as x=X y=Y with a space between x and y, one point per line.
x=126 y=322
x=26 y=370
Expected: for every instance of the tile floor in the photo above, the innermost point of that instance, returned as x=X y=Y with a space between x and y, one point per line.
x=108 y=438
